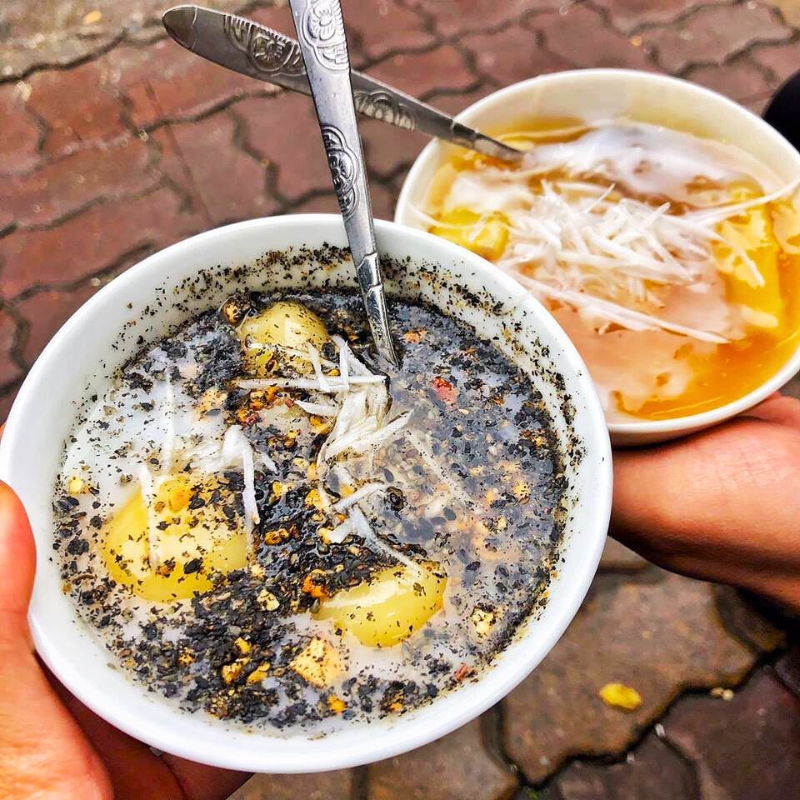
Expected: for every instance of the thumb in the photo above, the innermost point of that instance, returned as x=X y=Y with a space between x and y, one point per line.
x=43 y=752
x=44 y=749
x=17 y=567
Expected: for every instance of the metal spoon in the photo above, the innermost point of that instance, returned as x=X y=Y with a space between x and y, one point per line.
x=260 y=52
x=324 y=47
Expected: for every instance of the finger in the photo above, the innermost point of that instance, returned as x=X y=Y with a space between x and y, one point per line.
x=724 y=495
x=200 y=782
x=137 y=774
x=779 y=587
x=18 y=562
x=680 y=507
x=42 y=750
x=778 y=409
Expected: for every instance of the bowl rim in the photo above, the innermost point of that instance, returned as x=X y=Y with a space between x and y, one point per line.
x=628 y=431
x=407 y=732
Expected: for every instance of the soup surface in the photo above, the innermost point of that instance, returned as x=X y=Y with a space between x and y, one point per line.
x=672 y=261
x=263 y=523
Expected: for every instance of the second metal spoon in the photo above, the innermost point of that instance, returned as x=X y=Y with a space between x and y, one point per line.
x=260 y=52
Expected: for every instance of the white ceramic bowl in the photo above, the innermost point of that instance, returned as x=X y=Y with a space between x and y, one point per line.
x=601 y=94
x=79 y=360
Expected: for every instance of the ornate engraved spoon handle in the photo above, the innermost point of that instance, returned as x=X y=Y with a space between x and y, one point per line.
x=320 y=30
x=260 y=52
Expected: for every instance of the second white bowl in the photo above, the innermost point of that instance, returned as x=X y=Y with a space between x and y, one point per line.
x=602 y=94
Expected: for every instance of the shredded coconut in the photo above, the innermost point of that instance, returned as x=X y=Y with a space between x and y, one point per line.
x=168 y=447
x=334 y=385
x=360 y=494
x=148 y=496
x=576 y=238
x=235 y=450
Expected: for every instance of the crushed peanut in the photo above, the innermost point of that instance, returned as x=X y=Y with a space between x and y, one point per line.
x=179 y=497
x=243 y=646
x=267 y=600
x=277 y=536
x=314 y=584
x=230 y=672
x=522 y=491
x=257 y=571
x=318 y=663
x=618 y=695
x=258 y=674
x=336 y=704
x=76 y=485
x=482 y=620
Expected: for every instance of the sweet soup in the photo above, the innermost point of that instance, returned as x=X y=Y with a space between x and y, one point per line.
x=672 y=261
x=263 y=523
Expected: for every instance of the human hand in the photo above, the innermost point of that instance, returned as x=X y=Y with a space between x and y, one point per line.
x=51 y=746
x=723 y=505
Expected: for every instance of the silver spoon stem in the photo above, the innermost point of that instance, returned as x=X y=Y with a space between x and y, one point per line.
x=320 y=31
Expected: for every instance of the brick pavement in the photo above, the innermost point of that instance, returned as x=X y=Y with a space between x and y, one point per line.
x=116 y=142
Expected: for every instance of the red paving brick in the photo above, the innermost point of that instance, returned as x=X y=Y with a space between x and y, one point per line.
x=18 y=58
x=92 y=241
x=566 y=34
x=713 y=35
x=70 y=183
x=46 y=33
x=379 y=27
x=657 y=633
x=277 y=17
x=6 y=401
x=228 y=183
x=748 y=747
x=782 y=60
x=327 y=786
x=454 y=768
x=21 y=134
x=513 y=53
x=282 y=131
x=740 y=81
x=652 y=771
x=455 y=102
x=422 y=73
x=451 y=17
x=79 y=106
x=629 y=15
x=384 y=151
x=9 y=369
x=164 y=82
x=326 y=203
x=46 y=312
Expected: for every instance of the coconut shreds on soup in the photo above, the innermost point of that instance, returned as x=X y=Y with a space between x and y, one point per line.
x=670 y=260
x=263 y=522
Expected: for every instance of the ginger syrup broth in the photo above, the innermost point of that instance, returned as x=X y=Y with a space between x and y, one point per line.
x=262 y=523
x=672 y=261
